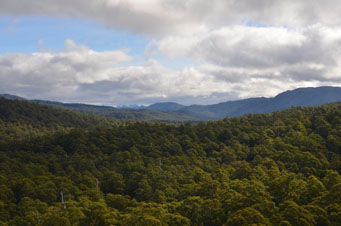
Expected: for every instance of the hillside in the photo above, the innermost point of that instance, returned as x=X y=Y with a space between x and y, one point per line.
x=19 y=119
x=297 y=97
x=280 y=168
x=11 y=97
x=36 y=115
x=166 y=106
x=111 y=112
x=177 y=113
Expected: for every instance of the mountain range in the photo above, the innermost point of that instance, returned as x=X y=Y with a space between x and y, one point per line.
x=142 y=114
x=174 y=112
x=297 y=97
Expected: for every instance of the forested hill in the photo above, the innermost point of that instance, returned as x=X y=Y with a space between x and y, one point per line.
x=21 y=119
x=166 y=106
x=177 y=113
x=111 y=112
x=281 y=168
x=17 y=111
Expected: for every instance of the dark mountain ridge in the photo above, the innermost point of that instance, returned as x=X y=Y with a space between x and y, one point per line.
x=166 y=106
x=174 y=112
x=298 y=97
x=111 y=112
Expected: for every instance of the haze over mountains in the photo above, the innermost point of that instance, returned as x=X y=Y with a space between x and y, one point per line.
x=169 y=111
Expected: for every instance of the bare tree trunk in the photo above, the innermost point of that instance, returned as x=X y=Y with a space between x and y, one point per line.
x=38 y=217
x=63 y=201
x=97 y=184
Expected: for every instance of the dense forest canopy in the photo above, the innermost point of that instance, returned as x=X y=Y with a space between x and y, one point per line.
x=280 y=168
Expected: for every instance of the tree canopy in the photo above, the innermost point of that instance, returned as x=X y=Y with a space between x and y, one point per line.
x=281 y=168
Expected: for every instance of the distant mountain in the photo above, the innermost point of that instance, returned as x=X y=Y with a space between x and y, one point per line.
x=126 y=114
x=173 y=112
x=131 y=106
x=166 y=106
x=297 y=97
x=226 y=109
x=11 y=97
x=84 y=108
x=111 y=112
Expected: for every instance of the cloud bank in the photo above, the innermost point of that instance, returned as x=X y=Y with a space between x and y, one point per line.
x=79 y=74
x=164 y=17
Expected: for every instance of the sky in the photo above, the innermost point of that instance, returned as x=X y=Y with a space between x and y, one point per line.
x=122 y=52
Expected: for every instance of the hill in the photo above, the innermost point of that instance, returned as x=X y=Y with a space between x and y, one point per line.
x=20 y=119
x=297 y=97
x=36 y=115
x=177 y=113
x=111 y=112
x=11 y=97
x=166 y=106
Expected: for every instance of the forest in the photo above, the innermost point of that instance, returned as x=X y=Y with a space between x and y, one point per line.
x=59 y=167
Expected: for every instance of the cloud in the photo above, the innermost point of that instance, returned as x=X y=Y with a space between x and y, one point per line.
x=162 y=17
x=80 y=74
x=241 y=52
x=56 y=74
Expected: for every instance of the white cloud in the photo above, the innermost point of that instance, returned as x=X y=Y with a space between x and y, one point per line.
x=305 y=54
x=56 y=74
x=80 y=74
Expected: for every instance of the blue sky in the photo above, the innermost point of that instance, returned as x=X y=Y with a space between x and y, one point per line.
x=119 y=52
x=30 y=34
x=23 y=34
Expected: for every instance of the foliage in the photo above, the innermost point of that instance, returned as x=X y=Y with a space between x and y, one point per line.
x=281 y=168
